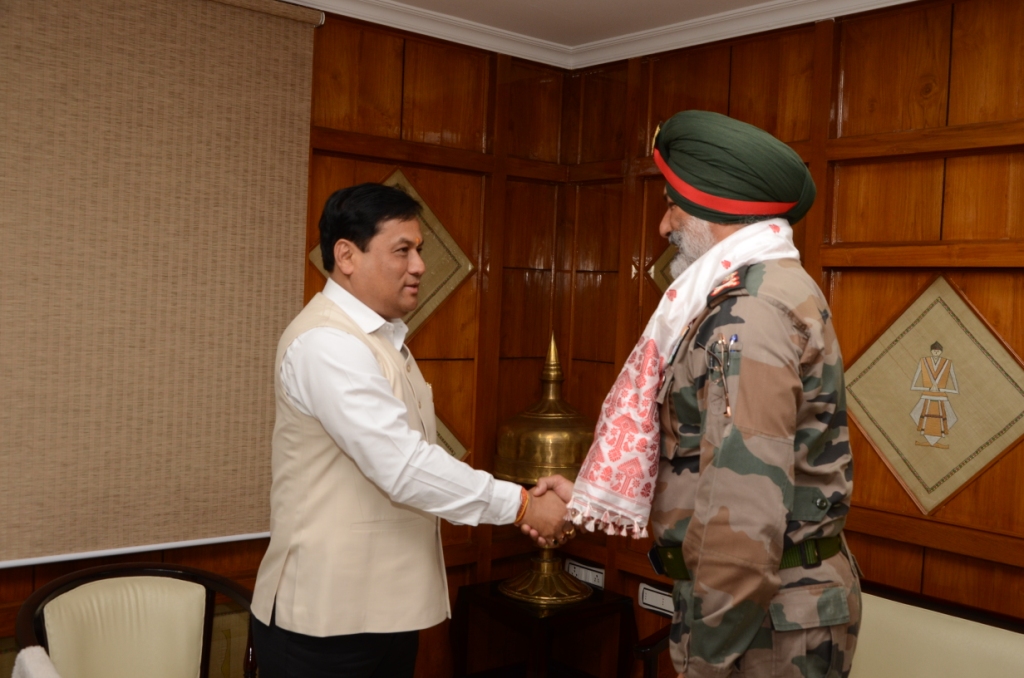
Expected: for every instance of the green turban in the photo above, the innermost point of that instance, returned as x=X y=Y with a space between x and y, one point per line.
x=726 y=171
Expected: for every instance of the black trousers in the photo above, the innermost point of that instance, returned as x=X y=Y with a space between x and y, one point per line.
x=285 y=654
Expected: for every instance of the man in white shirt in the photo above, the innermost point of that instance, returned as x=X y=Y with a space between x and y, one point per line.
x=355 y=568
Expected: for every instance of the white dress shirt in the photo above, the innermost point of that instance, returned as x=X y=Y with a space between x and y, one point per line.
x=332 y=376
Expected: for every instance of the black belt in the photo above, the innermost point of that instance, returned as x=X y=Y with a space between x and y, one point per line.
x=668 y=560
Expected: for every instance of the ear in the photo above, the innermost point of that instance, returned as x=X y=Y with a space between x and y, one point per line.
x=345 y=252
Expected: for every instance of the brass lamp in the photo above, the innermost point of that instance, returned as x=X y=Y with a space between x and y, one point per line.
x=549 y=437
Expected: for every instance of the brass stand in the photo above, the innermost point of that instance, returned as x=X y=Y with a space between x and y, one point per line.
x=546 y=583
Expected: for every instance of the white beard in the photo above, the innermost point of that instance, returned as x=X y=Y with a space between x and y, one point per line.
x=692 y=241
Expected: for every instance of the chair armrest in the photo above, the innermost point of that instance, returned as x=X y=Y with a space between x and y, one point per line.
x=648 y=650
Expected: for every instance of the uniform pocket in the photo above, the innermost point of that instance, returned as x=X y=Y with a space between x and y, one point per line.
x=808 y=607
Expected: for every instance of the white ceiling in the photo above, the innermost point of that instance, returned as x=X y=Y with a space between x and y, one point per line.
x=577 y=33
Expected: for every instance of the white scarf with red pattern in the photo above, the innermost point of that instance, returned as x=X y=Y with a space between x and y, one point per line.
x=615 y=486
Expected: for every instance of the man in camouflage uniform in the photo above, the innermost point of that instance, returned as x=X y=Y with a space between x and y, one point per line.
x=755 y=473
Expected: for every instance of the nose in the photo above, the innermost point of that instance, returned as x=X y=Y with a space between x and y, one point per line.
x=665 y=227
x=417 y=266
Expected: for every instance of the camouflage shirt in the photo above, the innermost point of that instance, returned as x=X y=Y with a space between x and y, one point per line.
x=755 y=458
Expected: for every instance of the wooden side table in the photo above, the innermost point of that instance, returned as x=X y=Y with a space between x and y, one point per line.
x=540 y=626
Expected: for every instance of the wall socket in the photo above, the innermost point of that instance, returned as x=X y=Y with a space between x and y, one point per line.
x=655 y=600
x=588 y=574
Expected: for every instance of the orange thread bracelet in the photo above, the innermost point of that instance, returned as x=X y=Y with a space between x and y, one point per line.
x=524 y=499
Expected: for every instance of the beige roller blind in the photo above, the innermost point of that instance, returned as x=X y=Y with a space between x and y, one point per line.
x=153 y=170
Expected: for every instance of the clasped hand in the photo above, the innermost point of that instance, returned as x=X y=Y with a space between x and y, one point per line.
x=545 y=520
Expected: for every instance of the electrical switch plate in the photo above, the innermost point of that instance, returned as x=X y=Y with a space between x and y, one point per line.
x=655 y=600
x=588 y=574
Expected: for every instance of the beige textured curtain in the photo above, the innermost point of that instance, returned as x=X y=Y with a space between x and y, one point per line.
x=153 y=170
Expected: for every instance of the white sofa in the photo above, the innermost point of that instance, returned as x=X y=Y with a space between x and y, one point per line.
x=906 y=641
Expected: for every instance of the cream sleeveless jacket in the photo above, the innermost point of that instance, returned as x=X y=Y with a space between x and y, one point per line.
x=343 y=558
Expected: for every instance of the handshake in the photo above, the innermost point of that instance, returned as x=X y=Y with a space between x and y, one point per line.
x=545 y=519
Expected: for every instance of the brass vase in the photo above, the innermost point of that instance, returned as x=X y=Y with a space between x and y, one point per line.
x=549 y=437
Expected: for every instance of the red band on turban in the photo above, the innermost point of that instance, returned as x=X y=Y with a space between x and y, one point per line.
x=714 y=202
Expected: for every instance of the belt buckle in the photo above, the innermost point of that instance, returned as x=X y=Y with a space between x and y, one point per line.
x=802 y=552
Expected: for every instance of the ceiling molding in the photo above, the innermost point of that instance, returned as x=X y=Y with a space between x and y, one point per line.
x=749 y=20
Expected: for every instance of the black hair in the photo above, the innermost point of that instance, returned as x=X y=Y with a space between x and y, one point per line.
x=356 y=213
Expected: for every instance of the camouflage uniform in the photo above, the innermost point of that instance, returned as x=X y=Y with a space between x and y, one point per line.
x=753 y=466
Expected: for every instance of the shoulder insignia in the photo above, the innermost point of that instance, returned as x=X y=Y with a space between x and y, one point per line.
x=732 y=284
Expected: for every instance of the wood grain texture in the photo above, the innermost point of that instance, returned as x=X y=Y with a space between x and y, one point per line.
x=889 y=201
x=531 y=216
x=590 y=383
x=817 y=225
x=988 y=62
x=399 y=150
x=519 y=385
x=599 y=212
x=932 y=534
x=525 y=313
x=593 y=317
x=357 y=78
x=984 y=197
x=865 y=303
x=934 y=141
x=451 y=330
x=452 y=384
x=771 y=81
x=985 y=254
x=521 y=168
x=15 y=587
x=889 y=562
x=874 y=484
x=974 y=582
x=535 y=111
x=694 y=78
x=603 y=113
x=895 y=70
x=453 y=115
x=457 y=199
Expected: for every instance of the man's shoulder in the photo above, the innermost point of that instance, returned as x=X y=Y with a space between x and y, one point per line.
x=782 y=280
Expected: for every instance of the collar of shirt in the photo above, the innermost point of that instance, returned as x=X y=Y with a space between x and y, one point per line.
x=364 y=316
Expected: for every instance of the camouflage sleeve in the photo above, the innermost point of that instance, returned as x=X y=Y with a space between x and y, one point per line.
x=735 y=538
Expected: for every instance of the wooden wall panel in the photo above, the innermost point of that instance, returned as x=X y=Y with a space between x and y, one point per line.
x=454 y=113
x=603 y=113
x=988 y=62
x=589 y=384
x=695 y=78
x=770 y=83
x=654 y=244
x=531 y=213
x=457 y=199
x=519 y=385
x=974 y=582
x=452 y=384
x=525 y=313
x=599 y=220
x=357 y=78
x=984 y=197
x=874 y=484
x=888 y=562
x=535 y=111
x=889 y=201
x=593 y=324
x=895 y=70
x=865 y=303
x=451 y=330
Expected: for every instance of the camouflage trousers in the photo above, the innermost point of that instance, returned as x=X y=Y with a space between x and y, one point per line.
x=816 y=651
x=823 y=652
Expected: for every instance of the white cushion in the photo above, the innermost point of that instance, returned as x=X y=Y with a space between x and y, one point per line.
x=127 y=627
x=904 y=641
